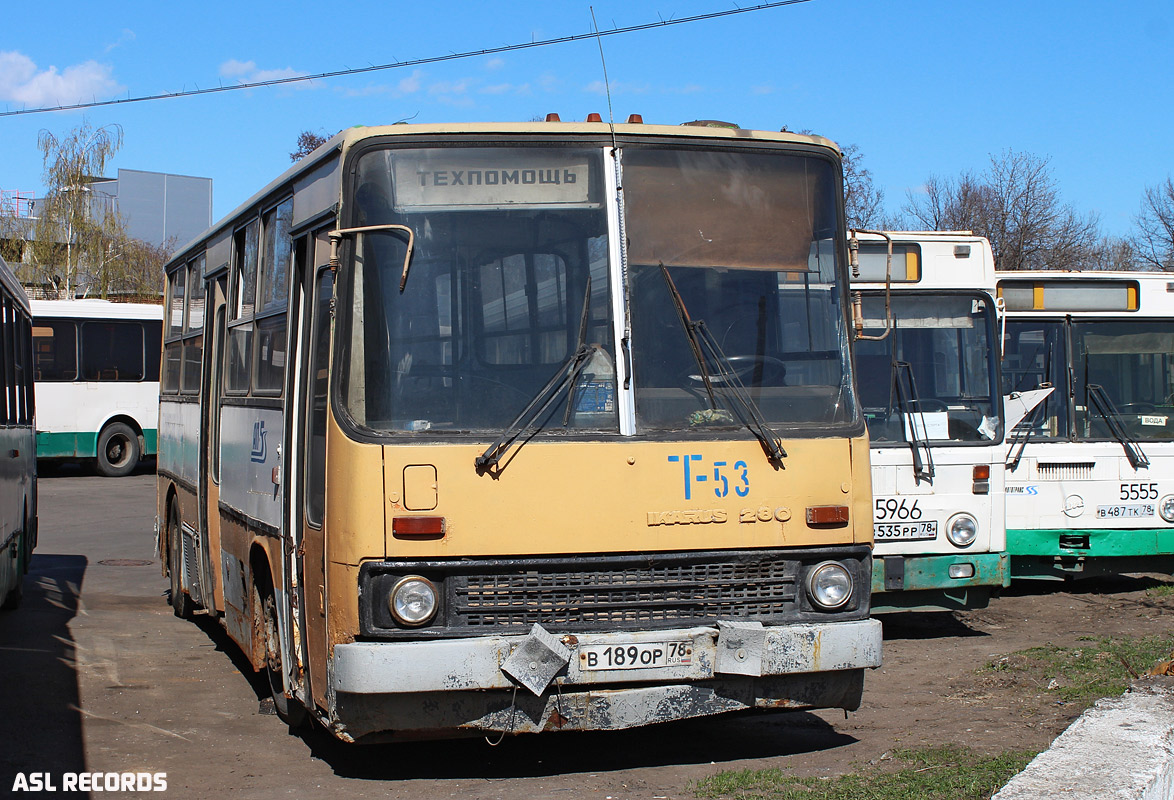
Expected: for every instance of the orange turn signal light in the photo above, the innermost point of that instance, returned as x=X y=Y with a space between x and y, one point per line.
x=982 y=472
x=827 y=515
x=418 y=527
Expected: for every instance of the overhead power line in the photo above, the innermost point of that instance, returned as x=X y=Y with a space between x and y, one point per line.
x=400 y=64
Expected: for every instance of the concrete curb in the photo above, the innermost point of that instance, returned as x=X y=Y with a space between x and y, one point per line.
x=1120 y=749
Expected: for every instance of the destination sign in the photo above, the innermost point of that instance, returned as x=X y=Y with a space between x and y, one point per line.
x=491 y=178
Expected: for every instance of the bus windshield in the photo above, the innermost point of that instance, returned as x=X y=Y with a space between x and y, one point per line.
x=511 y=255
x=1133 y=363
x=505 y=242
x=949 y=395
x=748 y=241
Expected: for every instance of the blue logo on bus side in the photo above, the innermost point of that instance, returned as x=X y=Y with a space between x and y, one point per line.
x=721 y=472
x=259 y=447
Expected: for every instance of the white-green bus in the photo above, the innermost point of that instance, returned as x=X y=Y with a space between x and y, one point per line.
x=97 y=378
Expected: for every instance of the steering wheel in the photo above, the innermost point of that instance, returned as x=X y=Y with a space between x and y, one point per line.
x=927 y=406
x=743 y=365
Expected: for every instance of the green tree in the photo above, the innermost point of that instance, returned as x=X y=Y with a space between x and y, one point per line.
x=74 y=228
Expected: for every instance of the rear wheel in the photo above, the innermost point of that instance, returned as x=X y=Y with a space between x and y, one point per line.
x=118 y=450
x=181 y=603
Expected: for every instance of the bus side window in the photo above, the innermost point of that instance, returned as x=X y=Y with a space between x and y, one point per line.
x=112 y=351
x=55 y=350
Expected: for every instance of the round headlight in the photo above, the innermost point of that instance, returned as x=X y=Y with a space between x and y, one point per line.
x=413 y=601
x=829 y=585
x=961 y=530
x=1166 y=508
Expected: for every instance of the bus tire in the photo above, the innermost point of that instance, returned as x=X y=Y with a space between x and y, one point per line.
x=118 y=450
x=291 y=711
x=181 y=603
x=16 y=593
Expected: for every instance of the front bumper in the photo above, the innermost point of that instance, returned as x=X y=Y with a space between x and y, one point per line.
x=920 y=573
x=455 y=686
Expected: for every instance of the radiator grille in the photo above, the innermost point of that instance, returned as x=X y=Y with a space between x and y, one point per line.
x=650 y=593
x=1075 y=471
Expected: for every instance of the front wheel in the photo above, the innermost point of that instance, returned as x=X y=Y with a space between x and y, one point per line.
x=181 y=603
x=118 y=450
x=291 y=711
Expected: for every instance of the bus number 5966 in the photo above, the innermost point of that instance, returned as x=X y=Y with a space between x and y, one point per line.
x=890 y=508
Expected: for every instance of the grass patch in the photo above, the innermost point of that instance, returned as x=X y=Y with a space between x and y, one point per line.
x=1084 y=674
x=940 y=773
x=1162 y=590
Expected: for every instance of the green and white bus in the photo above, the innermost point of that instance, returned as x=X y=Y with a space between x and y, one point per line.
x=97 y=377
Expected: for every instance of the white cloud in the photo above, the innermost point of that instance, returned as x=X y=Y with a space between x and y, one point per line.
x=127 y=35
x=495 y=63
x=247 y=72
x=411 y=84
x=22 y=82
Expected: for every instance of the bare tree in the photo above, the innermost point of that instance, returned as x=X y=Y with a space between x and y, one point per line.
x=71 y=220
x=1017 y=206
x=863 y=202
x=308 y=142
x=1154 y=239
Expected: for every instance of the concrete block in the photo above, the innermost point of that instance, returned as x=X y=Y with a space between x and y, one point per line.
x=1120 y=749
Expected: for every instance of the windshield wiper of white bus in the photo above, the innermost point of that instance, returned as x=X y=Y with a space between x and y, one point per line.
x=702 y=342
x=909 y=404
x=563 y=378
x=1104 y=406
x=1021 y=433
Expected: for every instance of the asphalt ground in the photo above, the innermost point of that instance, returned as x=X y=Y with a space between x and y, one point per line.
x=99 y=677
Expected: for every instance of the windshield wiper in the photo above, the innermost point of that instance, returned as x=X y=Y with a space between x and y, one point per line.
x=701 y=343
x=1104 y=406
x=1020 y=435
x=907 y=402
x=563 y=378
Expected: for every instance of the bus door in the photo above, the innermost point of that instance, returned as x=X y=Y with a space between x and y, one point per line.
x=209 y=471
x=308 y=442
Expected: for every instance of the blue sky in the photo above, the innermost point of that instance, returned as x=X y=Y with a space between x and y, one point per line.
x=922 y=88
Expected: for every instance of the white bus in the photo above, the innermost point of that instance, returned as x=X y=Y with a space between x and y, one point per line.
x=97 y=376
x=927 y=366
x=1090 y=480
x=18 y=467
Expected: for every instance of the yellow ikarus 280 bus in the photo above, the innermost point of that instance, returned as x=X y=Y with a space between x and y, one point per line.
x=504 y=428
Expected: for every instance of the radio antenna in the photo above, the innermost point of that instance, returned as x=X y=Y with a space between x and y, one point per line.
x=611 y=121
x=626 y=337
